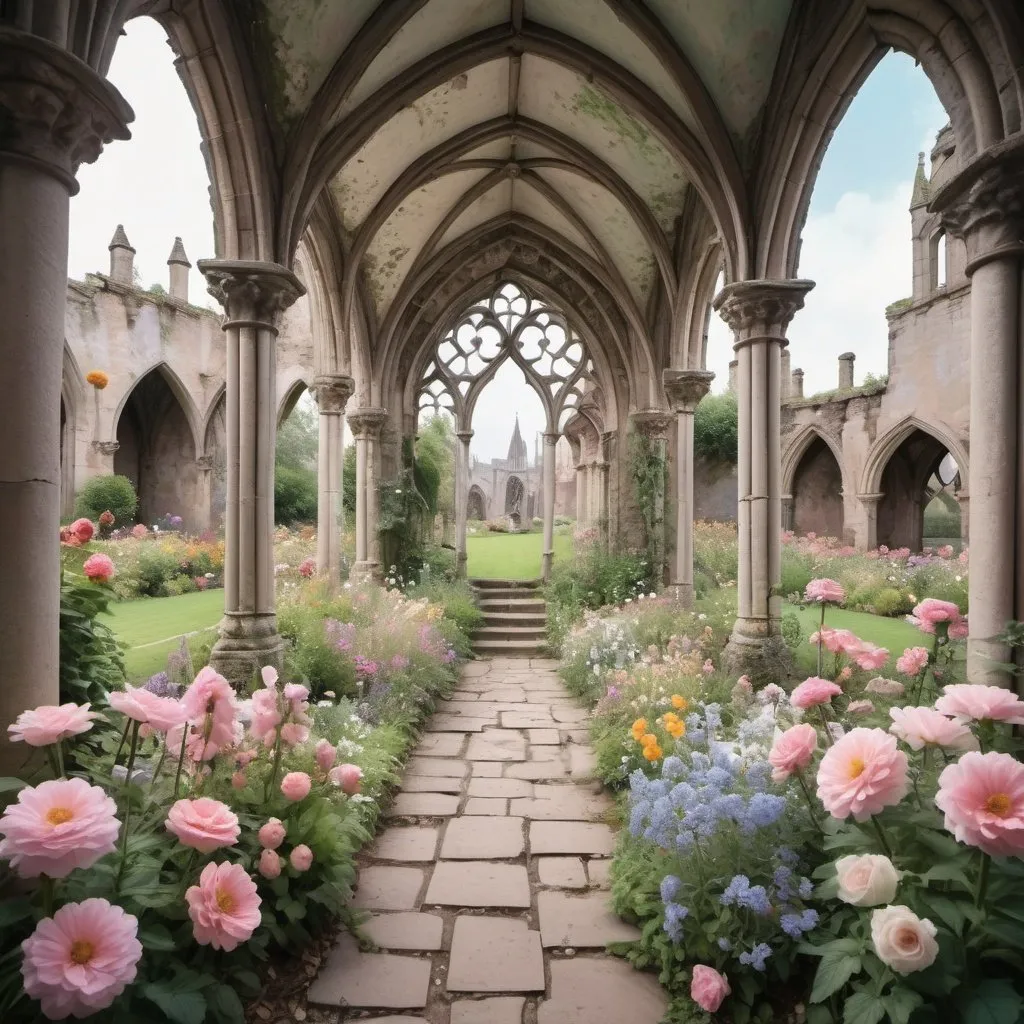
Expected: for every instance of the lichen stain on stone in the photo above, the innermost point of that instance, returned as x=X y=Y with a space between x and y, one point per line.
x=665 y=205
x=459 y=82
x=591 y=103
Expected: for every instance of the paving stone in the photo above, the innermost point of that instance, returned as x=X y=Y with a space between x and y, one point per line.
x=571 y=837
x=471 y=709
x=537 y=770
x=582 y=762
x=581 y=736
x=468 y=838
x=570 y=714
x=382 y=887
x=417 y=843
x=353 y=979
x=500 y=788
x=403 y=1019
x=540 y=681
x=601 y=991
x=561 y=803
x=564 y=872
x=475 y=669
x=440 y=744
x=436 y=766
x=496 y=745
x=585 y=920
x=542 y=737
x=488 y=769
x=423 y=805
x=441 y=722
x=510 y=694
x=426 y=784
x=468 y=883
x=483 y=805
x=599 y=872
x=524 y=720
x=498 y=1010
x=405 y=931
x=545 y=753
x=495 y=954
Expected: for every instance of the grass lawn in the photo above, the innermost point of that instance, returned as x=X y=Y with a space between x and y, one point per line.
x=512 y=556
x=893 y=634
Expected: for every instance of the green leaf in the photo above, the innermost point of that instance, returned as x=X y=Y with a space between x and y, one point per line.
x=9 y=785
x=863 y=1008
x=819 y=1015
x=14 y=910
x=226 y=1004
x=180 y=1007
x=900 y=1003
x=993 y=1002
x=156 y=938
x=834 y=971
x=949 y=912
x=946 y=873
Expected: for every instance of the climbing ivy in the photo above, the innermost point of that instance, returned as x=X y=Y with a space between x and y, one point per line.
x=649 y=468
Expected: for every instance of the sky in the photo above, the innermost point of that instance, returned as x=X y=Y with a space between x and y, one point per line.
x=856 y=242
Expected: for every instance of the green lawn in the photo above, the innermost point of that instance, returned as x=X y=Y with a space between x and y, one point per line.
x=512 y=556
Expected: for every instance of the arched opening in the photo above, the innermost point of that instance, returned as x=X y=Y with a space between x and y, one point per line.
x=156 y=451
x=295 y=469
x=939 y=261
x=67 y=461
x=818 y=492
x=215 y=447
x=476 y=505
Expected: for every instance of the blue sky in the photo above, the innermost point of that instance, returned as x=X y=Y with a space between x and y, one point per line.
x=856 y=240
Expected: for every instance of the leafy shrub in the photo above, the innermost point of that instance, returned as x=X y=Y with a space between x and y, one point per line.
x=892 y=602
x=715 y=430
x=497 y=525
x=311 y=656
x=156 y=567
x=91 y=662
x=108 y=493
x=456 y=598
x=792 y=631
x=295 y=495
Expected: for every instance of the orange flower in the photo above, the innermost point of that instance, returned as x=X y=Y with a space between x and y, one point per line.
x=652 y=751
x=675 y=729
x=98 y=379
x=639 y=728
x=680 y=703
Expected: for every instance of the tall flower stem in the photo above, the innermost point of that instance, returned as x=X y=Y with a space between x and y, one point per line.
x=810 y=801
x=127 y=805
x=272 y=779
x=159 y=764
x=181 y=759
x=982 y=886
x=59 y=747
x=886 y=848
x=821 y=626
x=46 y=888
x=124 y=739
x=824 y=723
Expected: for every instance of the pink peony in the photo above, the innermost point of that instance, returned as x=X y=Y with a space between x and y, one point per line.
x=837 y=641
x=301 y=858
x=265 y=716
x=912 y=661
x=793 y=751
x=162 y=713
x=99 y=568
x=980 y=703
x=296 y=692
x=210 y=706
x=224 y=906
x=921 y=727
x=270 y=864
x=349 y=777
x=932 y=610
x=982 y=796
x=812 y=692
x=861 y=774
x=82 y=530
x=326 y=755
x=48 y=724
x=708 y=988
x=824 y=590
x=204 y=824
x=871 y=658
x=296 y=786
x=80 y=960
x=272 y=834
x=58 y=826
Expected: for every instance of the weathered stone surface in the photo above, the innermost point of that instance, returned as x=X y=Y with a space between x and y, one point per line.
x=538 y=719
x=436 y=766
x=601 y=991
x=564 y=872
x=495 y=954
x=426 y=784
x=478 y=884
x=582 y=762
x=500 y=788
x=571 y=837
x=404 y=931
x=561 y=803
x=537 y=770
x=543 y=737
x=456 y=723
x=484 y=806
x=469 y=838
x=508 y=694
x=584 y=920
x=488 y=769
x=497 y=1010
x=441 y=744
x=416 y=843
x=599 y=872
x=351 y=978
x=542 y=681
x=425 y=805
x=476 y=669
x=496 y=745
x=570 y=715
x=382 y=887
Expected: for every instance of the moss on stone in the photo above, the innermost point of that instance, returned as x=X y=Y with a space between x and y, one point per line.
x=899 y=306
x=596 y=105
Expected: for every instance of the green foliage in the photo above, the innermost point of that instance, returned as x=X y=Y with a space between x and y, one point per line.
x=103 y=493
x=435 y=465
x=348 y=483
x=940 y=521
x=455 y=597
x=891 y=602
x=310 y=656
x=792 y=632
x=298 y=437
x=91 y=662
x=295 y=495
x=649 y=471
x=155 y=568
x=715 y=429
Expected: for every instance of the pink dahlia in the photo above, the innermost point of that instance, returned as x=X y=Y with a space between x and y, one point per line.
x=204 y=824
x=48 y=724
x=99 y=568
x=812 y=692
x=982 y=796
x=224 y=906
x=824 y=590
x=58 y=826
x=861 y=774
x=81 y=959
x=981 y=703
x=926 y=727
x=349 y=777
x=871 y=658
x=793 y=751
x=295 y=786
x=161 y=713
x=912 y=661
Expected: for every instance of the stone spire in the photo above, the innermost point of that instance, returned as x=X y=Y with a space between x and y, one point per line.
x=122 y=257
x=518 y=455
x=922 y=189
x=179 y=264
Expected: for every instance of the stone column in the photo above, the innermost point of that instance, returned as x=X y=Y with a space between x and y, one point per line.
x=548 y=469
x=684 y=389
x=253 y=294
x=984 y=205
x=332 y=391
x=654 y=425
x=758 y=313
x=605 y=522
x=787 y=512
x=204 y=492
x=461 y=499
x=868 y=540
x=365 y=424
x=786 y=379
x=57 y=114
x=963 y=499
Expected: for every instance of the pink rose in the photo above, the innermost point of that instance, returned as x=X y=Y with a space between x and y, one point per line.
x=981 y=703
x=326 y=755
x=296 y=786
x=824 y=590
x=349 y=777
x=902 y=940
x=272 y=834
x=871 y=658
x=862 y=773
x=162 y=713
x=982 y=797
x=867 y=879
x=99 y=568
x=204 y=824
x=301 y=857
x=48 y=724
x=224 y=906
x=793 y=751
x=270 y=864
x=912 y=661
x=708 y=988
x=812 y=692
x=921 y=727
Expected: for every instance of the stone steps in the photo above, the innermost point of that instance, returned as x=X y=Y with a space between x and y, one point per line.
x=515 y=620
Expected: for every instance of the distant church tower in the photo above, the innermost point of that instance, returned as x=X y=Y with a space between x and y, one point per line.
x=518 y=457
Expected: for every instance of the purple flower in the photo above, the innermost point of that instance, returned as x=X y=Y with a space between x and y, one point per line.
x=399 y=662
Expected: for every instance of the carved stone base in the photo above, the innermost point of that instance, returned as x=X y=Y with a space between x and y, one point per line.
x=247 y=642
x=756 y=649
x=683 y=593
x=546 y=562
x=365 y=572
x=460 y=565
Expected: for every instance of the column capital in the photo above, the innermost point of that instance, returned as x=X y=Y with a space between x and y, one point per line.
x=762 y=309
x=59 y=113
x=332 y=391
x=871 y=497
x=551 y=437
x=685 y=388
x=205 y=462
x=106 y=447
x=252 y=292
x=366 y=422
x=984 y=204
x=653 y=424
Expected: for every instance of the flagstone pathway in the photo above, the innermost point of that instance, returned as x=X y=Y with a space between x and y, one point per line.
x=487 y=888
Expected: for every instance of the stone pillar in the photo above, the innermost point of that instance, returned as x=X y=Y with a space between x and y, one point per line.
x=461 y=499
x=846 y=370
x=548 y=469
x=984 y=205
x=57 y=114
x=786 y=380
x=332 y=392
x=653 y=425
x=796 y=384
x=684 y=389
x=758 y=313
x=253 y=294
x=732 y=376
x=179 y=268
x=581 y=494
x=204 y=493
x=868 y=541
x=365 y=424
x=963 y=499
x=605 y=522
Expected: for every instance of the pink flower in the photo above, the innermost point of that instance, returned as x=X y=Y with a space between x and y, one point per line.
x=301 y=857
x=824 y=590
x=708 y=667
x=932 y=610
x=349 y=777
x=82 y=530
x=945 y=551
x=920 y=727
x=162 y=713
x=771 y=694
x=139 y=531
x=912 y=661
x=861 y=774
x=210 y=706
x=224 y=906
x=48 y=724
x=793 y=751
x=238 y=780
x=860 y=707
x=58 y=826
x=812 y=692
x=846 y=674
x=981 y=703
x=203 y=824
x=307 y=567
x=871 y=658
x=296 y=786
x=708 y=988
x=265 y=716
x=295 y=692
x=272 y=834
x=292 y=734
x=99 y=568
x=959 y=629
x=80 y=960
x=837 y=641
x=270 y=864
x=982 y=796
x=326 y=755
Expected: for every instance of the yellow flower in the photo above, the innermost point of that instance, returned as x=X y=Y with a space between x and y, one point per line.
x=679 y=702
x=639 y=728
x=669 y=716
x=652 y=751
x=98 y=379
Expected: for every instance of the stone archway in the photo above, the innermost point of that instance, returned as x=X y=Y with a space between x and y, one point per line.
x=817 y=492
x=476 y=504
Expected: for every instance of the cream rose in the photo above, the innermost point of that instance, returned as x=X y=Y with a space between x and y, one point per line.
x=902 y=940
x=867 y=880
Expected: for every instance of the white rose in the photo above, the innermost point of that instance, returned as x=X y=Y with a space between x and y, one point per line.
x=902 y=940
x=867 y=880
